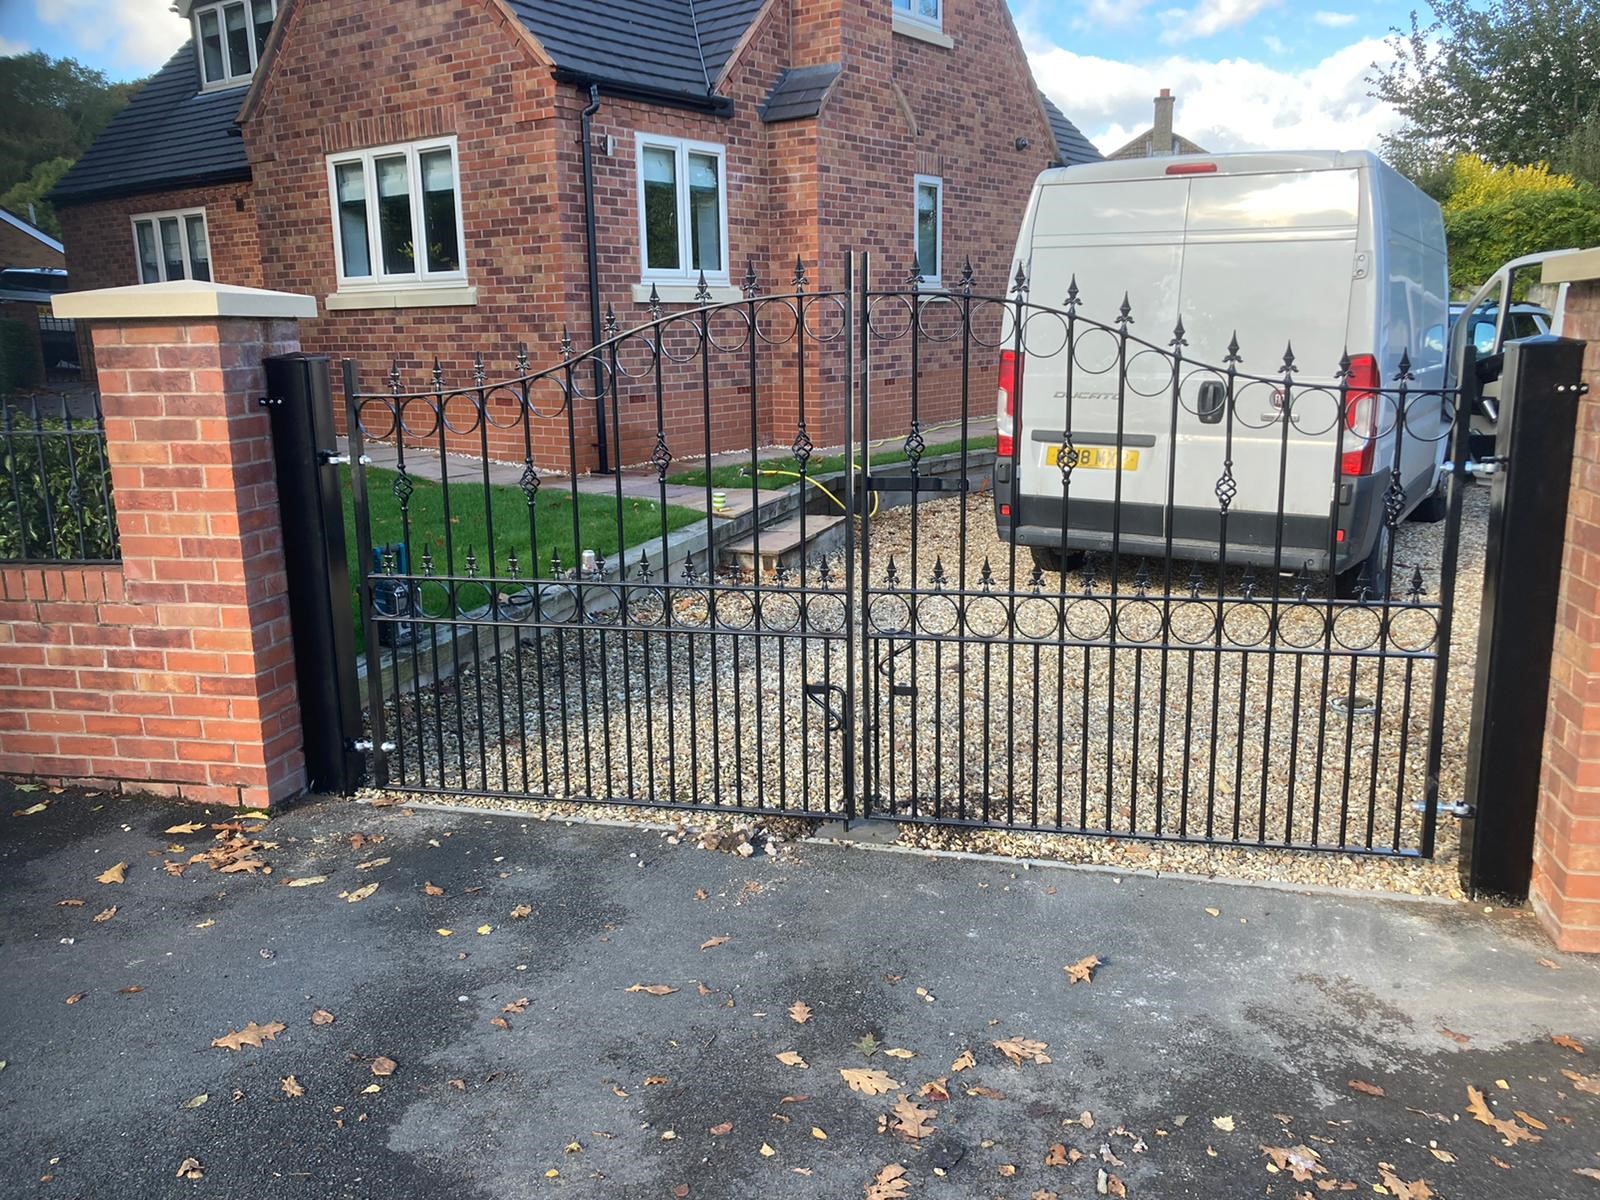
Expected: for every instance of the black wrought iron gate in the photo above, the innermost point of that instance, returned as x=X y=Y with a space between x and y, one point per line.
x=1136 y=594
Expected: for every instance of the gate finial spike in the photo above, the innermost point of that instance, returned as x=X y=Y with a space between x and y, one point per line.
x=1019 y=282
x=611 y=322
x=522 y=358
x=480 y=374
x=566 y=344
x=394 y=377
x=1125 y=313
x=1344 y=365
x=1404 y=373
x=915 y=278
x=751 y=284
x=966 y=277
x=1036 y=579
x=438 y=375
x=655 y=303
x=702 y=293
x=555 y=563
x=799 y=280
x=1177 y=335
x=938 y=571
x=986 y=575
x=1414 y=594
x=891 y=575
x=1288 y=358
x=1232 y=356
x=1074 y=297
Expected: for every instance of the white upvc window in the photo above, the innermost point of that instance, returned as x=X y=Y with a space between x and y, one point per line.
x=683 y=210
x=397 y=215
x=171 y=245
x=923 y=12
x=929 y=226
x=230 y=37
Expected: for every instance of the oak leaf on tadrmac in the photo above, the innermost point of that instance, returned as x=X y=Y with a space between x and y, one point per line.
x=251 y=1035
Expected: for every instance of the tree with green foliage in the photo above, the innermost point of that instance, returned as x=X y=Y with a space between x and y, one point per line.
x=54 y=108
x=1509 y=81
x=1494 y=214
x=32 y=192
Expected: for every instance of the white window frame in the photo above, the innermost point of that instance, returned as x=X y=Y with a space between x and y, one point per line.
x=682 y=147
x=936 y=182
x=421 y=277
x=155 y=219
x=228 y=80
x=910 y=13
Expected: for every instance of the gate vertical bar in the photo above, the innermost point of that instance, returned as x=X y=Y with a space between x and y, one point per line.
x=848 y=708
x=369 y=627
x=1466 y=401
x=859 y=308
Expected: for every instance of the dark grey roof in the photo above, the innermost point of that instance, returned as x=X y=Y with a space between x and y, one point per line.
x=676 y=47
x=799 y=92
x=1072 y=147
x=170 y=135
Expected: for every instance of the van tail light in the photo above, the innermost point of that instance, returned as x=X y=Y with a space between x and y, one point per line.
x=1196 y=168
x=1361 y=416
x=1006 y=402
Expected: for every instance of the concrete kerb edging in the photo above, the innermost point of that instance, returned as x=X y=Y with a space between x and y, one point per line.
x=1272 y=885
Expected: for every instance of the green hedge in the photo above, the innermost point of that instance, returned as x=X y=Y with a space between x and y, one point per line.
x=55 y=492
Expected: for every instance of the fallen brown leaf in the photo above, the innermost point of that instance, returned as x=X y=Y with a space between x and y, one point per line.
x=1400 y=1189
x=291 y=1086
x=69 y=903
x=383 y=1066
x=911 y=1121
x=1020 y=1050
x=1530 y=1122
x=1007 y=1170
x=372 y=863
x=100 y=918
x=652 y=989
x=889 y=1184
x=190 y=1168
x=1366 y=1089
x=116 y=874
x=936 y=1089
x=1460 y=1039
x=1584 y=1083
x=963 y=1061
x=322 y=1017
x=500 y=1023
x=305 y=881
x=1083 y=970
x=721 y=1130
x=1108 y=1184
x=799 y=1012
x=987 y=1093
x=656 y=1080
x=1587 y=1172
x=187 y=827
x=517 y=1006
x=360 y=894
x=867 y=1081
x=1510 y=1132
x=1443 y=1156
x=521 y=912
x=251 y=1035
x=1302 y=1162
x=1056 y=1156
x=791 y=1058
x=131 y=990
x=75 y=997
x=713 y=943
x=1567 y=1043
x=1547 y=964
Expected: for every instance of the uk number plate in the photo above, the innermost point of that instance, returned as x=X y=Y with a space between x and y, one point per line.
x=1097 y=458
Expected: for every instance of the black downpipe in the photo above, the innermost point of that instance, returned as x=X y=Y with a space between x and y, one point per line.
x=594 y=279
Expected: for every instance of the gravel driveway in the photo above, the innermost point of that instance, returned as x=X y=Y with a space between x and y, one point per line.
x=1214 y=739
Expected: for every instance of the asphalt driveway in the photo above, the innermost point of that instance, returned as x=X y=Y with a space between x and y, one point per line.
x=1211 y=1055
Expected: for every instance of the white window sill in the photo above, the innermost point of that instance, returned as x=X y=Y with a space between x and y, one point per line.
x=685 y=293
x=906 y=27
x=432 y=297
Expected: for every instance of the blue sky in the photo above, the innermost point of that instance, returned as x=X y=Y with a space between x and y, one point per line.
x=1248 y=74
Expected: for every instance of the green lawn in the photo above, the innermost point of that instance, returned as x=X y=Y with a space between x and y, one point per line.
x=597 y=524
x=737 y=475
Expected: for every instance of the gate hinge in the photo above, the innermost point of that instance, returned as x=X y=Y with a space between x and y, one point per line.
x=1484 y=466
x=1452 y=808
x=364 y=745
x=332 y=458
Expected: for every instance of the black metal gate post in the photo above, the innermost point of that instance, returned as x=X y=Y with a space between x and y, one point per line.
x=1539 y=392
x=305 y=448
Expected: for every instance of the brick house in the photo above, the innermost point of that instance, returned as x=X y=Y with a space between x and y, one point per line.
x=315 y=146
x=1160 y=138
x=24 y=245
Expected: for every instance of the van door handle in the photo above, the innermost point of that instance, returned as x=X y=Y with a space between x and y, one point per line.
x=1211 y=402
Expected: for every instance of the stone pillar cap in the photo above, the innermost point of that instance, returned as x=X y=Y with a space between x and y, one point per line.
x=181 y=299
x=1571 y=266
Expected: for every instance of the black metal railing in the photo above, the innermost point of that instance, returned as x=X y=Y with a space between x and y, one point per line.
x=55 y=482
x=1181 y=601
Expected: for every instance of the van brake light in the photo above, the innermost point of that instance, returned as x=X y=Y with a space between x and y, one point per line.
x=1199 y=168
x=1361 y=416
x=1010 y=384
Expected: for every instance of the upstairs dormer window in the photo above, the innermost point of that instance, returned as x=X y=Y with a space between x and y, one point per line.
x=921 y=12
x=231 y=37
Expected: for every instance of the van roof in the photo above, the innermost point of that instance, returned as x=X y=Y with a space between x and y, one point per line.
x=1252 y=163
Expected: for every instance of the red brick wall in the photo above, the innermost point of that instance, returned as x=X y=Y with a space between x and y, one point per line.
x=1566 y=856
x=19 y=249
x=173 y=673
x=100 y=251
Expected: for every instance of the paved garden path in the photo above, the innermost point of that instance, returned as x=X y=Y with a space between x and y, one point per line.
x=1221 y=1020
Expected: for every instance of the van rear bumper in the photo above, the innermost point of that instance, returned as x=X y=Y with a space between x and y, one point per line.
x=1197 y=532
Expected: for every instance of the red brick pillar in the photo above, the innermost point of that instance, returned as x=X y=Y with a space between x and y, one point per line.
x=1566 y=855
x=181 y=680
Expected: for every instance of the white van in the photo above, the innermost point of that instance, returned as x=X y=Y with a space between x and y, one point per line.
x=1331 y=252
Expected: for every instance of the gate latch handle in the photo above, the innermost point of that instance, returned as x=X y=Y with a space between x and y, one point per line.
x=824 y=694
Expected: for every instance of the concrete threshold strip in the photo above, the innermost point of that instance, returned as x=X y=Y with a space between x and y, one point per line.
x=854 y=840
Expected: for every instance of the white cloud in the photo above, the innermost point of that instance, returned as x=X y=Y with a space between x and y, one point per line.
x=9 y=47
x=1333 y=20
x=137 y=34
x=1275 y=43
x=1223 y=105
x=1208 y=17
